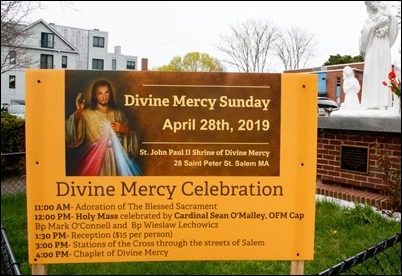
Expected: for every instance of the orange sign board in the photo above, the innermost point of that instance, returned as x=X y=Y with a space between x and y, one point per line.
x=166 y=166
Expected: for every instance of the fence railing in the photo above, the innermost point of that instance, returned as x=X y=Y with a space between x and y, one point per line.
x=9 y=265
x=13 y=178
x=383 y=258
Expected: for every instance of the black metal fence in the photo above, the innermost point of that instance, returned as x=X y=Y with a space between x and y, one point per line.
x=13 y=163
x=9 y=265
x=13 y=184
x=12 y=172
x=383 y=258
x=13 y=180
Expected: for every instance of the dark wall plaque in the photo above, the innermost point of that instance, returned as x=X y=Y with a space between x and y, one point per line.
x=354 y=158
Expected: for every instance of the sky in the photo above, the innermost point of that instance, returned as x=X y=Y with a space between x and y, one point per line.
x=161 y=30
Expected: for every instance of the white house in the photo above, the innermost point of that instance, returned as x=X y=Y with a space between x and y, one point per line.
x=50 y=46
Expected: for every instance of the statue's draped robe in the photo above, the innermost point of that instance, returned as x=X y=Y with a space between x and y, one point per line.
x=376 y=45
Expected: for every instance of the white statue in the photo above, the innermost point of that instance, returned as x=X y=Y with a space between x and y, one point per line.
x=379 y=33
x=351 y=87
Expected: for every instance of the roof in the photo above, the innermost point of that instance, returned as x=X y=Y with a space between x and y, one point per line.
x=41 y=21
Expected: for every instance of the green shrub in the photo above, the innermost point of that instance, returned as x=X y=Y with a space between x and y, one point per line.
x=363 y=214
x=12 y=141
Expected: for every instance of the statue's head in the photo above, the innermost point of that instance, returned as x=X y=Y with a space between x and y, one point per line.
x=374 y=6
x=347 y=72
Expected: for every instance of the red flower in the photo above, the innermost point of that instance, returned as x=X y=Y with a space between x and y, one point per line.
x=392 y=74
x=394 y=83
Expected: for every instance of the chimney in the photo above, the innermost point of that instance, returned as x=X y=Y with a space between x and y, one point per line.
x=144 y=64
x=117 y=50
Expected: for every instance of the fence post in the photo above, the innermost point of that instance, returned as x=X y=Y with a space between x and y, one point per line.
x=297 y=268
x=39 y=269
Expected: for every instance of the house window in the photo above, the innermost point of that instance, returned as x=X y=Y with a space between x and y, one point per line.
x=114 y=64
x=338 y=88
x=63 y=61
x=99 y=42
x=47 y=40
x=13 y=57
x=97 y=64
x=46 y=62
x=131 y=64
x=11 y=81
x=338 y=81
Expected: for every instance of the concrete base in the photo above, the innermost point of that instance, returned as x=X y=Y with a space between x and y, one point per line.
x=376 y=124
x=392 y=112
